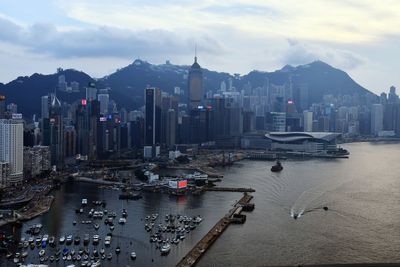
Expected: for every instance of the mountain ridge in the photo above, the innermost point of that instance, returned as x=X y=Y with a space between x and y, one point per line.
x=128 y=83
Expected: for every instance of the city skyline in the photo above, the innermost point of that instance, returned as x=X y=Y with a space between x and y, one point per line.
x=359 y=38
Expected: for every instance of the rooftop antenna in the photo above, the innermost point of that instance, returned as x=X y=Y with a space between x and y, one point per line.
x=195 y=52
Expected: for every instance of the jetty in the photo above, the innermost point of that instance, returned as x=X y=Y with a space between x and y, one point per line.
x=233 y=216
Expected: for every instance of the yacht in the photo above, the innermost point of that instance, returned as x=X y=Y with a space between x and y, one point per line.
x=42 y=252
x=165 y=249
x=96 y=239
x=52 y=241
x=86 y=240
x=133 y=255
x=69 y=240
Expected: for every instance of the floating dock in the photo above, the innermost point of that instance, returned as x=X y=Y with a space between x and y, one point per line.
x=233 y=216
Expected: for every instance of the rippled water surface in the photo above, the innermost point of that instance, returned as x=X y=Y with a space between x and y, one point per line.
x=361 y=225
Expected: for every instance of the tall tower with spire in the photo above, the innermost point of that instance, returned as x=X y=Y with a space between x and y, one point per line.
x=195 y=84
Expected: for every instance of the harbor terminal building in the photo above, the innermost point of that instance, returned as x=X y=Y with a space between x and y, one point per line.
x=305 y=142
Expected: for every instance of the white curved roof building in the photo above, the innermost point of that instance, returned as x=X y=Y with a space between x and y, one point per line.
x=309 y=142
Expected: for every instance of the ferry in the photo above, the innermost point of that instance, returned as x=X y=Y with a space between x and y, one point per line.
x=196 y=176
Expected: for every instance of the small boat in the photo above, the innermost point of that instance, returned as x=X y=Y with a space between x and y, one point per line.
x=69 y=240
x=117 y=250
x=24 y=254
x=42 y=252
x=52 y=241
x=86 y=240
x=96 y=239
x=165 y=249
x=96 y=226
x=77 y=240
x=107 y=241
x=52 y=258
x=124 y=213
x=58 y=252
x=112 y=228
x=74 y=223
x=277 y=167
x=84 y=201
x=109 y=256
x=122 y=220
x=133 y=255
x=62 y=239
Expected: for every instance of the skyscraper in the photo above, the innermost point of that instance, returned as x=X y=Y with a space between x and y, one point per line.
x=11 y=148
x=152 y=116
x=2 y=106
x=45 y=106
x=171 y=127
x=376 y=118
x=91 y=92
x=307 y=121
x=56 y=131
x=104 y=100
x=195 y=85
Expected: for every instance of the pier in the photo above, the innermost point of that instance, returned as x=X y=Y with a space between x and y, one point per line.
x=233 y=216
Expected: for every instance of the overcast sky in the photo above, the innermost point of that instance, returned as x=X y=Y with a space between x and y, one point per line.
x=236 y=36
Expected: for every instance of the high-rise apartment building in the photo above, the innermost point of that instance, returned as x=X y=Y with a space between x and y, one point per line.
x=12 y=148
x=376 y=118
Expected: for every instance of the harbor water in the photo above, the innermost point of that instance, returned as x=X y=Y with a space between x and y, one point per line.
x=361 y=225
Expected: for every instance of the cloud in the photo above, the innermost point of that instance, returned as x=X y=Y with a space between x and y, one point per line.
x=301 y=53
x=102 y=41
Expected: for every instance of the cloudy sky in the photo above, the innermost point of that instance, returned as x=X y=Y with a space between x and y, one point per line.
x=236 y=36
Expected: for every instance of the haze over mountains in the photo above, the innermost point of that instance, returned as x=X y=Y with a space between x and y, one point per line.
x=127 y=84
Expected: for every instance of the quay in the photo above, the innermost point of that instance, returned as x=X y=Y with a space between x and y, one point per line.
x=229 y=189
x=233 y=216
x=34 y=209
x=96 y=181
x=203 y=169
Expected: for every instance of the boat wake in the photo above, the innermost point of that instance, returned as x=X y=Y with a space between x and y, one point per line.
x=311 y=199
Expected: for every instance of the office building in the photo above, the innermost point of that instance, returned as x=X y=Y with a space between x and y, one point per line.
x=104 y=100
x=195 y=85
x=152 y=116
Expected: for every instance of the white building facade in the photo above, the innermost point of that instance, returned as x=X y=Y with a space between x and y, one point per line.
x=12 y=148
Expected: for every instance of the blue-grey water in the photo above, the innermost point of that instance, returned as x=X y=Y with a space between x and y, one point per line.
x=361 y=225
